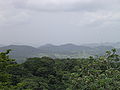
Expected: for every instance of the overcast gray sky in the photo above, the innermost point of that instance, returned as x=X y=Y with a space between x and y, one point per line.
x=38 y=22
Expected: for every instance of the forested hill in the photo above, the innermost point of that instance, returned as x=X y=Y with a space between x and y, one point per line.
x=21 y=52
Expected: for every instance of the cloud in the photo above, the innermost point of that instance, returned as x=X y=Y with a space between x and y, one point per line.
x=10 y=15
x=92 y=12
x=67 y=5
x=61 y=5
x=48 y=5
x=59 y=20
x=99 y=19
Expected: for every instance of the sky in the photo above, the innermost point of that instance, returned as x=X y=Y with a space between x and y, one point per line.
x=38 y=22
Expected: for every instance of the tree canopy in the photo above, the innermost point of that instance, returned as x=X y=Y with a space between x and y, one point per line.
x=93 y=73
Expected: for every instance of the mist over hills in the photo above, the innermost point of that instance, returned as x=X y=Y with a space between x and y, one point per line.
x=1 y=45
x=115 y=45
x=21 y=52
x=73 y=51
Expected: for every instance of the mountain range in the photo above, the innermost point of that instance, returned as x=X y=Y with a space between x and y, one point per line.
x=21 y=52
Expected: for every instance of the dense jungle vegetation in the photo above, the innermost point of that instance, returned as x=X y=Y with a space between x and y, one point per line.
x=93 y=73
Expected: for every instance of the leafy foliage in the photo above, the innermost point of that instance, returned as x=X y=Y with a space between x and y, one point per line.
x=93 y=73
x=5 y=64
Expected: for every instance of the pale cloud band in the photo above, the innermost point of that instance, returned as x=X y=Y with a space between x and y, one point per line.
x=95 y=9
x=67 y=5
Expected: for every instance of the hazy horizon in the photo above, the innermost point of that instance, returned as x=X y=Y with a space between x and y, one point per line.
x=82 y=44
x=39 y=22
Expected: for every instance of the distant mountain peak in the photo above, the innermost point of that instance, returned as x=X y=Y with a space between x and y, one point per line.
x=47 y=45
x=68 y=44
